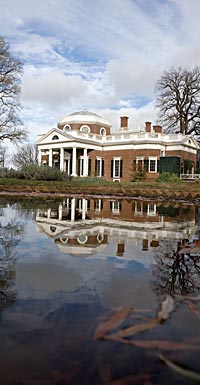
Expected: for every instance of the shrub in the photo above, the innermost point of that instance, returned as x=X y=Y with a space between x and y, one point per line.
x=167 y=177
x=39 y=173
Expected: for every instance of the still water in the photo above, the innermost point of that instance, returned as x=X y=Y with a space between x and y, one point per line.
x=77 y=274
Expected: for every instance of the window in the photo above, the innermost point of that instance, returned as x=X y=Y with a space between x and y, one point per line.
x=116 y=168
x=55 y=137
x=115 y=207
x=103 y=131
x=85 y=129
x=67 y=127
x=152 y=165
x=98 y=205
x=82 y=239
x=80 y=166
x=99 y=167
x=151 y=209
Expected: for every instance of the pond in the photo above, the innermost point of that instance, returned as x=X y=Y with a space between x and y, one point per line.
x=97 y=291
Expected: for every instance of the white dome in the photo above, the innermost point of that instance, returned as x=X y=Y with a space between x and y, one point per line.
x=84 y=117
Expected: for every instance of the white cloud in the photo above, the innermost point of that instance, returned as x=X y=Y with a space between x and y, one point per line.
x=101 y=55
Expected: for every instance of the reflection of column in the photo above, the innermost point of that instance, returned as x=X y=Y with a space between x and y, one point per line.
x=49 y=213
x=50 y=157
x=73 y=209
x=62 y=159
x=84 y=203
x=74 y=161
x=60 y=211
x=39 y=157
x=85 y=162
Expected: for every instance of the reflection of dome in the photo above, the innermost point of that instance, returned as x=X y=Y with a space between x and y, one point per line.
x=84 y=117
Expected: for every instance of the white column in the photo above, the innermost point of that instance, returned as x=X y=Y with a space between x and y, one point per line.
x=39 y=157
x=85 y=162
x=83 y=208
x=73 y=209
x=74 y=161
x=60 y=212
x=62 y=159
x=50 y=157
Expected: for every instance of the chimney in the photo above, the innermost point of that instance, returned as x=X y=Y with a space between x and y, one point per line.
x=124 y=123
x=148 y=126
x=157 y=128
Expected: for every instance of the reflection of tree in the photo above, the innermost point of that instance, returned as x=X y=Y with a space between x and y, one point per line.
x=176 y=272
x=9 y=239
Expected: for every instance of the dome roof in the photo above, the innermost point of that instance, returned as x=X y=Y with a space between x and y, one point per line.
x=85 y=117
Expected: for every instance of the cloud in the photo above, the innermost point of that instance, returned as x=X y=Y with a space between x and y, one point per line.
x=52 y=88
x=104 y=56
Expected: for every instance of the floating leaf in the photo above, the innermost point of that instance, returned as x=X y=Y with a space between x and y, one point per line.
x=167 y=306
x=163 y=345
x=189 y=374
x=134 y=329
x=114 y=321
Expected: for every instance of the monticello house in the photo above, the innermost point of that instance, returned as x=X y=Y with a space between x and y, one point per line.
x=83 y=145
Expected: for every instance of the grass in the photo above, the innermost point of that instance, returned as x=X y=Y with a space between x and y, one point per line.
x=93 y=186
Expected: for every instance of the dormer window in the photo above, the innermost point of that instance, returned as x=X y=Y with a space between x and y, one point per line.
x=85 y=129
x=67 y=127
x=103 y=131
x=55 y=137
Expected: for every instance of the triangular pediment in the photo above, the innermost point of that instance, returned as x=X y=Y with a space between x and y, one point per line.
x=191 y=141
x=54 y=136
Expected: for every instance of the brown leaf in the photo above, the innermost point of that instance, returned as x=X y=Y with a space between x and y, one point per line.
x=167 y=306
x=114 y=321
x=194 y=308
x=189 y=374
x=163 y=345
x=131 y=330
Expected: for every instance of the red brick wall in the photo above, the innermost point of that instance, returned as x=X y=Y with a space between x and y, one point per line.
x=94 y=128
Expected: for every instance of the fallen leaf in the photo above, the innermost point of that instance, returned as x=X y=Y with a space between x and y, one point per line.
x=134 y=329
x=189 y=374
x=194 y=308
x=167 y=306
x=114 y=321
x=163 y=345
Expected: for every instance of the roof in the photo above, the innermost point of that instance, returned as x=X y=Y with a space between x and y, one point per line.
x=85 y=117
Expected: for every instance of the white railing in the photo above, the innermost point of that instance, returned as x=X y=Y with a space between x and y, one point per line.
x=190 y=176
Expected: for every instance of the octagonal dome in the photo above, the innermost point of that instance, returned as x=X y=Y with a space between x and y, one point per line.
x=84 y=117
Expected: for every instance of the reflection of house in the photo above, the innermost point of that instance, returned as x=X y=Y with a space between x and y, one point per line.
x=83 y=145
x=82 y=226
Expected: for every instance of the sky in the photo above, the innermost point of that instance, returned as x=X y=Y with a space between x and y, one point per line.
x=104 y=56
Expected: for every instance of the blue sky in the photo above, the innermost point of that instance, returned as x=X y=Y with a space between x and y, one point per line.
x=102 y=55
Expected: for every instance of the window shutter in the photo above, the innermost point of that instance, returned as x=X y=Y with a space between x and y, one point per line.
x=134 y=164
x=158 y=165
x=111 y=205
x=89 y=166
x=102 y=167
x=111 y=173
x=102 y=204
x=95 y=171
x=79 y=166
x=70 y=166
x=88 y=204
x=121 y=168
x=146 y=164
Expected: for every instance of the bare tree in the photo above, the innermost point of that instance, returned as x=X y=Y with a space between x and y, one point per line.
x=178 y=100
x=11 y=127
x=25 y=155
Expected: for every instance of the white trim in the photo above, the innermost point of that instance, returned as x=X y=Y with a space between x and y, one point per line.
x=83 y=126
x=156 y=164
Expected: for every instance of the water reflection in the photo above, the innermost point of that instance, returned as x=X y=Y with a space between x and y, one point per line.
x=10 y=234
x=76 y=262
x=84 y=227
